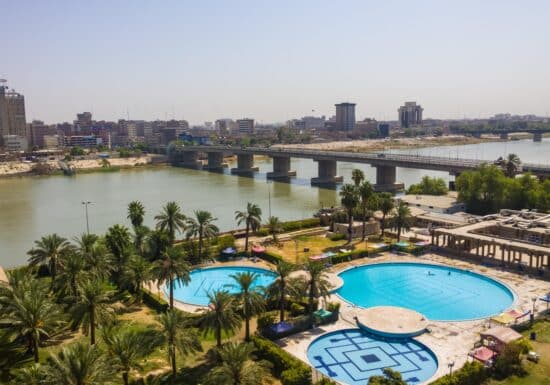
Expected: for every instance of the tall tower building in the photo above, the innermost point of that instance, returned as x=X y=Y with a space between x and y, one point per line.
x=410 y=115
x=12 y=112
x=345 y=116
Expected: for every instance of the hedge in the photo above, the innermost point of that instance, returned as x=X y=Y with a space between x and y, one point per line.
x=289 y=369
x=270 y=257
x=291 y=226
x=155 y=302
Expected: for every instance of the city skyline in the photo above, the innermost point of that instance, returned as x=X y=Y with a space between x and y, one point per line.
x=201 y=62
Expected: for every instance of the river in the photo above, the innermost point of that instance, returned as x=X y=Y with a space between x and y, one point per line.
x=31 y=207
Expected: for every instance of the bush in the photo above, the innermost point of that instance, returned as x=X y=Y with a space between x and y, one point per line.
x=333 y=307
x=337 y=237
x=298 y=225
x=225 y=241
x=344 y=257
x=429 y=186
x=291 y=370
x=266 y=320
x=262 y=232
x=155 y=302
x=296 y=309
x=270 y=257
x=509 y=360
x=472 y=373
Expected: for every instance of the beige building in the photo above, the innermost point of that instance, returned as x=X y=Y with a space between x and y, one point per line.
x=245 y=126
x=12 y=112
x=410 y=114
x=345 y=116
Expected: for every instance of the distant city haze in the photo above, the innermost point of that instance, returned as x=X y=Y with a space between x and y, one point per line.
x=273 y=61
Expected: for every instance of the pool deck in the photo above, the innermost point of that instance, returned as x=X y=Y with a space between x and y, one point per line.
x=450 y=341
x=391 y=321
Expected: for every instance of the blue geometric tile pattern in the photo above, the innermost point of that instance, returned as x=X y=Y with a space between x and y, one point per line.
x=353 y=356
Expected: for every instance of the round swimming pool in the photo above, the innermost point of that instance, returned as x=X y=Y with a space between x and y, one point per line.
x=204 y=281
x=440 y=293
x=353 y=356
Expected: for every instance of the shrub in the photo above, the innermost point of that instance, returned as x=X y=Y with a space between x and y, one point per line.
x=333 y=307
x=337 y=237
x=270 y=257
x=296 y=309
x=303 y=224
x=509 y=362
x=266 y=320
x=472 y=373
x=155 y=302
x=225 y=241
x=262 y=232
x=296 y=376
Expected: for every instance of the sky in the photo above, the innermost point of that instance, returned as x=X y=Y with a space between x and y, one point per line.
x=275 y=60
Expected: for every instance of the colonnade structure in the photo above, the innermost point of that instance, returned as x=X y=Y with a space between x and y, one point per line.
x=385 y=164
x=511 y=238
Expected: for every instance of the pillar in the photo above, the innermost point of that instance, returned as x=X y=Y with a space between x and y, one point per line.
x=385 y=179
x=281 y=168
x=245 y=164
x=326 y=173
x=191 y=159
x=215 y=161
x=537 y=137
x=504 y=136
x=452 y=183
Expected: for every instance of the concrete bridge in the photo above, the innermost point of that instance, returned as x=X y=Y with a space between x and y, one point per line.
x=385 y=164
x=537 y=133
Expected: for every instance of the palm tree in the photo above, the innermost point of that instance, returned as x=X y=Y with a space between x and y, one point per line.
x=238 y=367
x=128 y=347
x=350 y=200
x=511 y=165
x=29 y=312
x=171 y=219
x=66 y=281
x=275 y=227
x=402 y=218
x=281 y=287
x=92 y=306
x=97 y=261
x=177 y=337
x=252 y=217
x=79 y=364
x=85 y=243
x=172 y=268
x=221 y=315
x=366 y=192
x=250 y=297
x=157 y=243
x=386 y=205
x=201 y=226
x=136 y=213
x=357 y=176
x=118 y=241
x=136 y=272
x=317 y=282
x=49 y=251
x=30 y=375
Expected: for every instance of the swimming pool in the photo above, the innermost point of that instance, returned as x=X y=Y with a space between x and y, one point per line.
x=353 y=356
x=441 y=293
x=204 y=281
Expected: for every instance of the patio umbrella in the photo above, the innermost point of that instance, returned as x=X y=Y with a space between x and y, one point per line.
x=229 y=251
x=281 y=327
x=258 y=249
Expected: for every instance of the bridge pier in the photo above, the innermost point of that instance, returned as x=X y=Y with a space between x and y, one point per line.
x=191 y=160
x=504 y=136
x=281 y=168
x=452 y=183
x=215 y=161
x=326 y=173
x=385 y=179
x=537 y=137
x=245 y=165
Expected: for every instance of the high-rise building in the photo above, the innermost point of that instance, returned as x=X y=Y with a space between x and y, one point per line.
x=12 y=112
x=245 y=126
x=37 y=131
x=224 y=126
x=345 y=116
x=83 y=122
x=410 y=115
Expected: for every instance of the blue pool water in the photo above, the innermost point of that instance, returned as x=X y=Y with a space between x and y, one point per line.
x=353 y=356
x=207 y=280
x=439 y=292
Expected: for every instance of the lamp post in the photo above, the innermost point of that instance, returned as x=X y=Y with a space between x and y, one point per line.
x=86 y=203
x=450 y=365
x=269 y=196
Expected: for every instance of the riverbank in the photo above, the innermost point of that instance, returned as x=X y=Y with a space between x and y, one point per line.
x=51 y=167
x=374 y=145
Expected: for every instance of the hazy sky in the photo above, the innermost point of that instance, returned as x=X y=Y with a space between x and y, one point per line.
x=275 y=60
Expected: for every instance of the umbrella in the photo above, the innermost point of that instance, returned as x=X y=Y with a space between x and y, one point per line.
x=258 y=249
x=422 y=243
x=319 y=257
x=281 y=327
x=330 y=254
x=229 y=250
x=402 y=244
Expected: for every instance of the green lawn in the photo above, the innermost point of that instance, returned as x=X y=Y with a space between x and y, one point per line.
x=538 y=374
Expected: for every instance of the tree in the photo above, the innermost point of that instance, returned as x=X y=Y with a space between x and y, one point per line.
x=221 y=315
x=275 y=227
x=128 y=347
x=118 y=241
x=402 y=218
x=158 y=241
x=177 y=337
x=79 y=364
x=366 y=193
x=202 y=226
x=172 y=267
x=136 y=272
x=483 y=190
x=429 y=186
x=317 y=283
x=136 y=213
x=171 y=220
x=49 y=251
x=30 y=375
x=66 y=280
x=92 y=306
x=238 y=367
x=281 y=287
x=386 y=205
x=250 y=297
x=96 y=260
x=350 y=200
x=390 y=377
x=28 y=311
x=252 y=217
x=510 y=165
x=357 y=176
